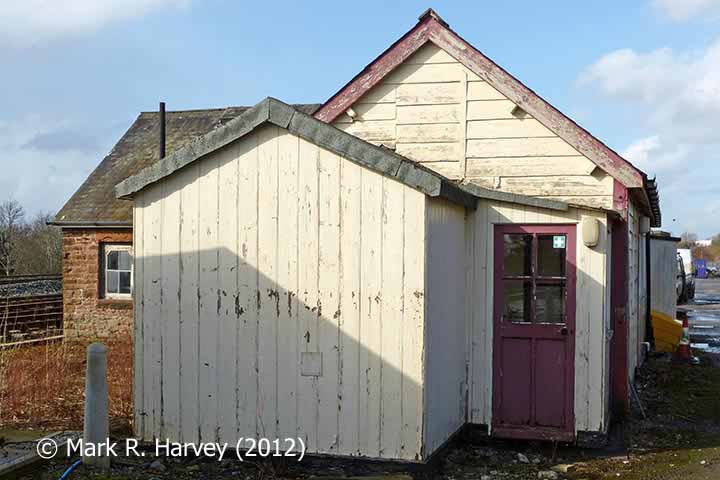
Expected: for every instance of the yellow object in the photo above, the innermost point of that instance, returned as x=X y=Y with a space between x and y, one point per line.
x=667 y=331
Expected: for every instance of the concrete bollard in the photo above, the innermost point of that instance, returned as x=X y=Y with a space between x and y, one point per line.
x=95 y=430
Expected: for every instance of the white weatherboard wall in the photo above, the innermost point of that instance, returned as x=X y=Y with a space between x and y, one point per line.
x=591 y=316
x=445 y=334
x=434 y=110
x=663 y=272
x=255 y=261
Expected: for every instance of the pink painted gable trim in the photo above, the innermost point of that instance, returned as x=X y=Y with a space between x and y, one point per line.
x=375 y=71
x=431 y=28
x=620 y=199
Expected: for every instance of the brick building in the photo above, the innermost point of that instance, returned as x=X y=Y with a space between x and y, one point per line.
x=97 y=227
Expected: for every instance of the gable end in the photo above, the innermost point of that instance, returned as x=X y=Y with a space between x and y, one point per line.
x=432 y=29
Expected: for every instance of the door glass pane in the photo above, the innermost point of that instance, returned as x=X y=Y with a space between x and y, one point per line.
x=112 y=261
x=124 y=261
x=551 y=255
x=517 y=259
x=516 y=300
x=112 y=282
x=550 y=303
x=124 y=282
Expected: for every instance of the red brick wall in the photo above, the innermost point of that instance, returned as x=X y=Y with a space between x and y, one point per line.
x=86 y=315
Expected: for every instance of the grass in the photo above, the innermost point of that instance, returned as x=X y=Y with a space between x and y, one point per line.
x=42 y=386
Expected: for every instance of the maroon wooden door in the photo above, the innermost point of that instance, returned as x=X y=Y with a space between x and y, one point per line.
x=534 y=331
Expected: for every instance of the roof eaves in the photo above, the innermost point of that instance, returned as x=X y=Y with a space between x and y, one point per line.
x=90 y=224
x=498 y=195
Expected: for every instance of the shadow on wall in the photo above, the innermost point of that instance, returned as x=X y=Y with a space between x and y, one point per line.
x=238 y=355
x=255 y=322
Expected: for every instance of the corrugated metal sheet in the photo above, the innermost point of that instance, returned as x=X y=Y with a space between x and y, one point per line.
x=663 y=275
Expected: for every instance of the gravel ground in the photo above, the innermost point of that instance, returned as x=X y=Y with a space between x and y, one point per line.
x=37 y=287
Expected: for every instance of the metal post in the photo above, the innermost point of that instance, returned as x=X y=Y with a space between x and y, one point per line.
x=95 y=432
x=162 y=130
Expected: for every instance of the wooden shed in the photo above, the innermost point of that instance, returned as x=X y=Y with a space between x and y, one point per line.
x=295 y=280
x=435 y=246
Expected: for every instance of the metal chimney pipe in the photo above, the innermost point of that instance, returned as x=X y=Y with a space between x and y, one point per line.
x=162 y=129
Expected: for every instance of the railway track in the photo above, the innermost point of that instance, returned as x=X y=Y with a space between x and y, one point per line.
x=12 y=279
x=31 y=318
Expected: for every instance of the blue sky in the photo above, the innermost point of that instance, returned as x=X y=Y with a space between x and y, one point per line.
x=644 y=78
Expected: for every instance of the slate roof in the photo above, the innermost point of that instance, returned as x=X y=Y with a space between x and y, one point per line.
x=95 y=204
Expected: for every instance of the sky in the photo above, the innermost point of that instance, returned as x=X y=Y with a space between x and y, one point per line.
x=643 y=76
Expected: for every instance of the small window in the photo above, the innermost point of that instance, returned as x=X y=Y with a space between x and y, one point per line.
x=117 y=271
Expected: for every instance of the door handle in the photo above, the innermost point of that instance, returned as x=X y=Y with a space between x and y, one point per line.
x=564 y=331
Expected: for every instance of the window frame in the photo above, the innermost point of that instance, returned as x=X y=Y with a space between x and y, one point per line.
x=106 y=249
x=535 y=278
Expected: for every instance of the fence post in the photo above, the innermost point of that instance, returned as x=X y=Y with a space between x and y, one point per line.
x=95 y=429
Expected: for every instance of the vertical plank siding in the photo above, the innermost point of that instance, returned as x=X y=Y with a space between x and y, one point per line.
x=445 y=339
x=288 y=363
x=208 y=297
x=139 y=397
x=266 y=254
x=435 y=111
x=370 y=298
x=309 y=228
x=152 y=295
x=246 y=303
x=267 y=290
x=170 y=313
x=591 y=327
x=189 y=365
x=228 y=262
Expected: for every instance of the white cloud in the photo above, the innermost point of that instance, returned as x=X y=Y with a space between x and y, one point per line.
x=628 y=75
x=683 y=10
x=678 y=89
x=651 y=154
x=675 y=98
x=28 y=22
x=63 y=169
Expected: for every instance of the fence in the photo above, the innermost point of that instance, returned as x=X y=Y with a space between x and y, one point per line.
x=31 y=318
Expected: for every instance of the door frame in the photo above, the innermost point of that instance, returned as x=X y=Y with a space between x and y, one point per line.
x=526 y=432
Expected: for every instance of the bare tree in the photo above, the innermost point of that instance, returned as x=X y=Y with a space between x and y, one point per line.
x=11 y=222
x=41 y=248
